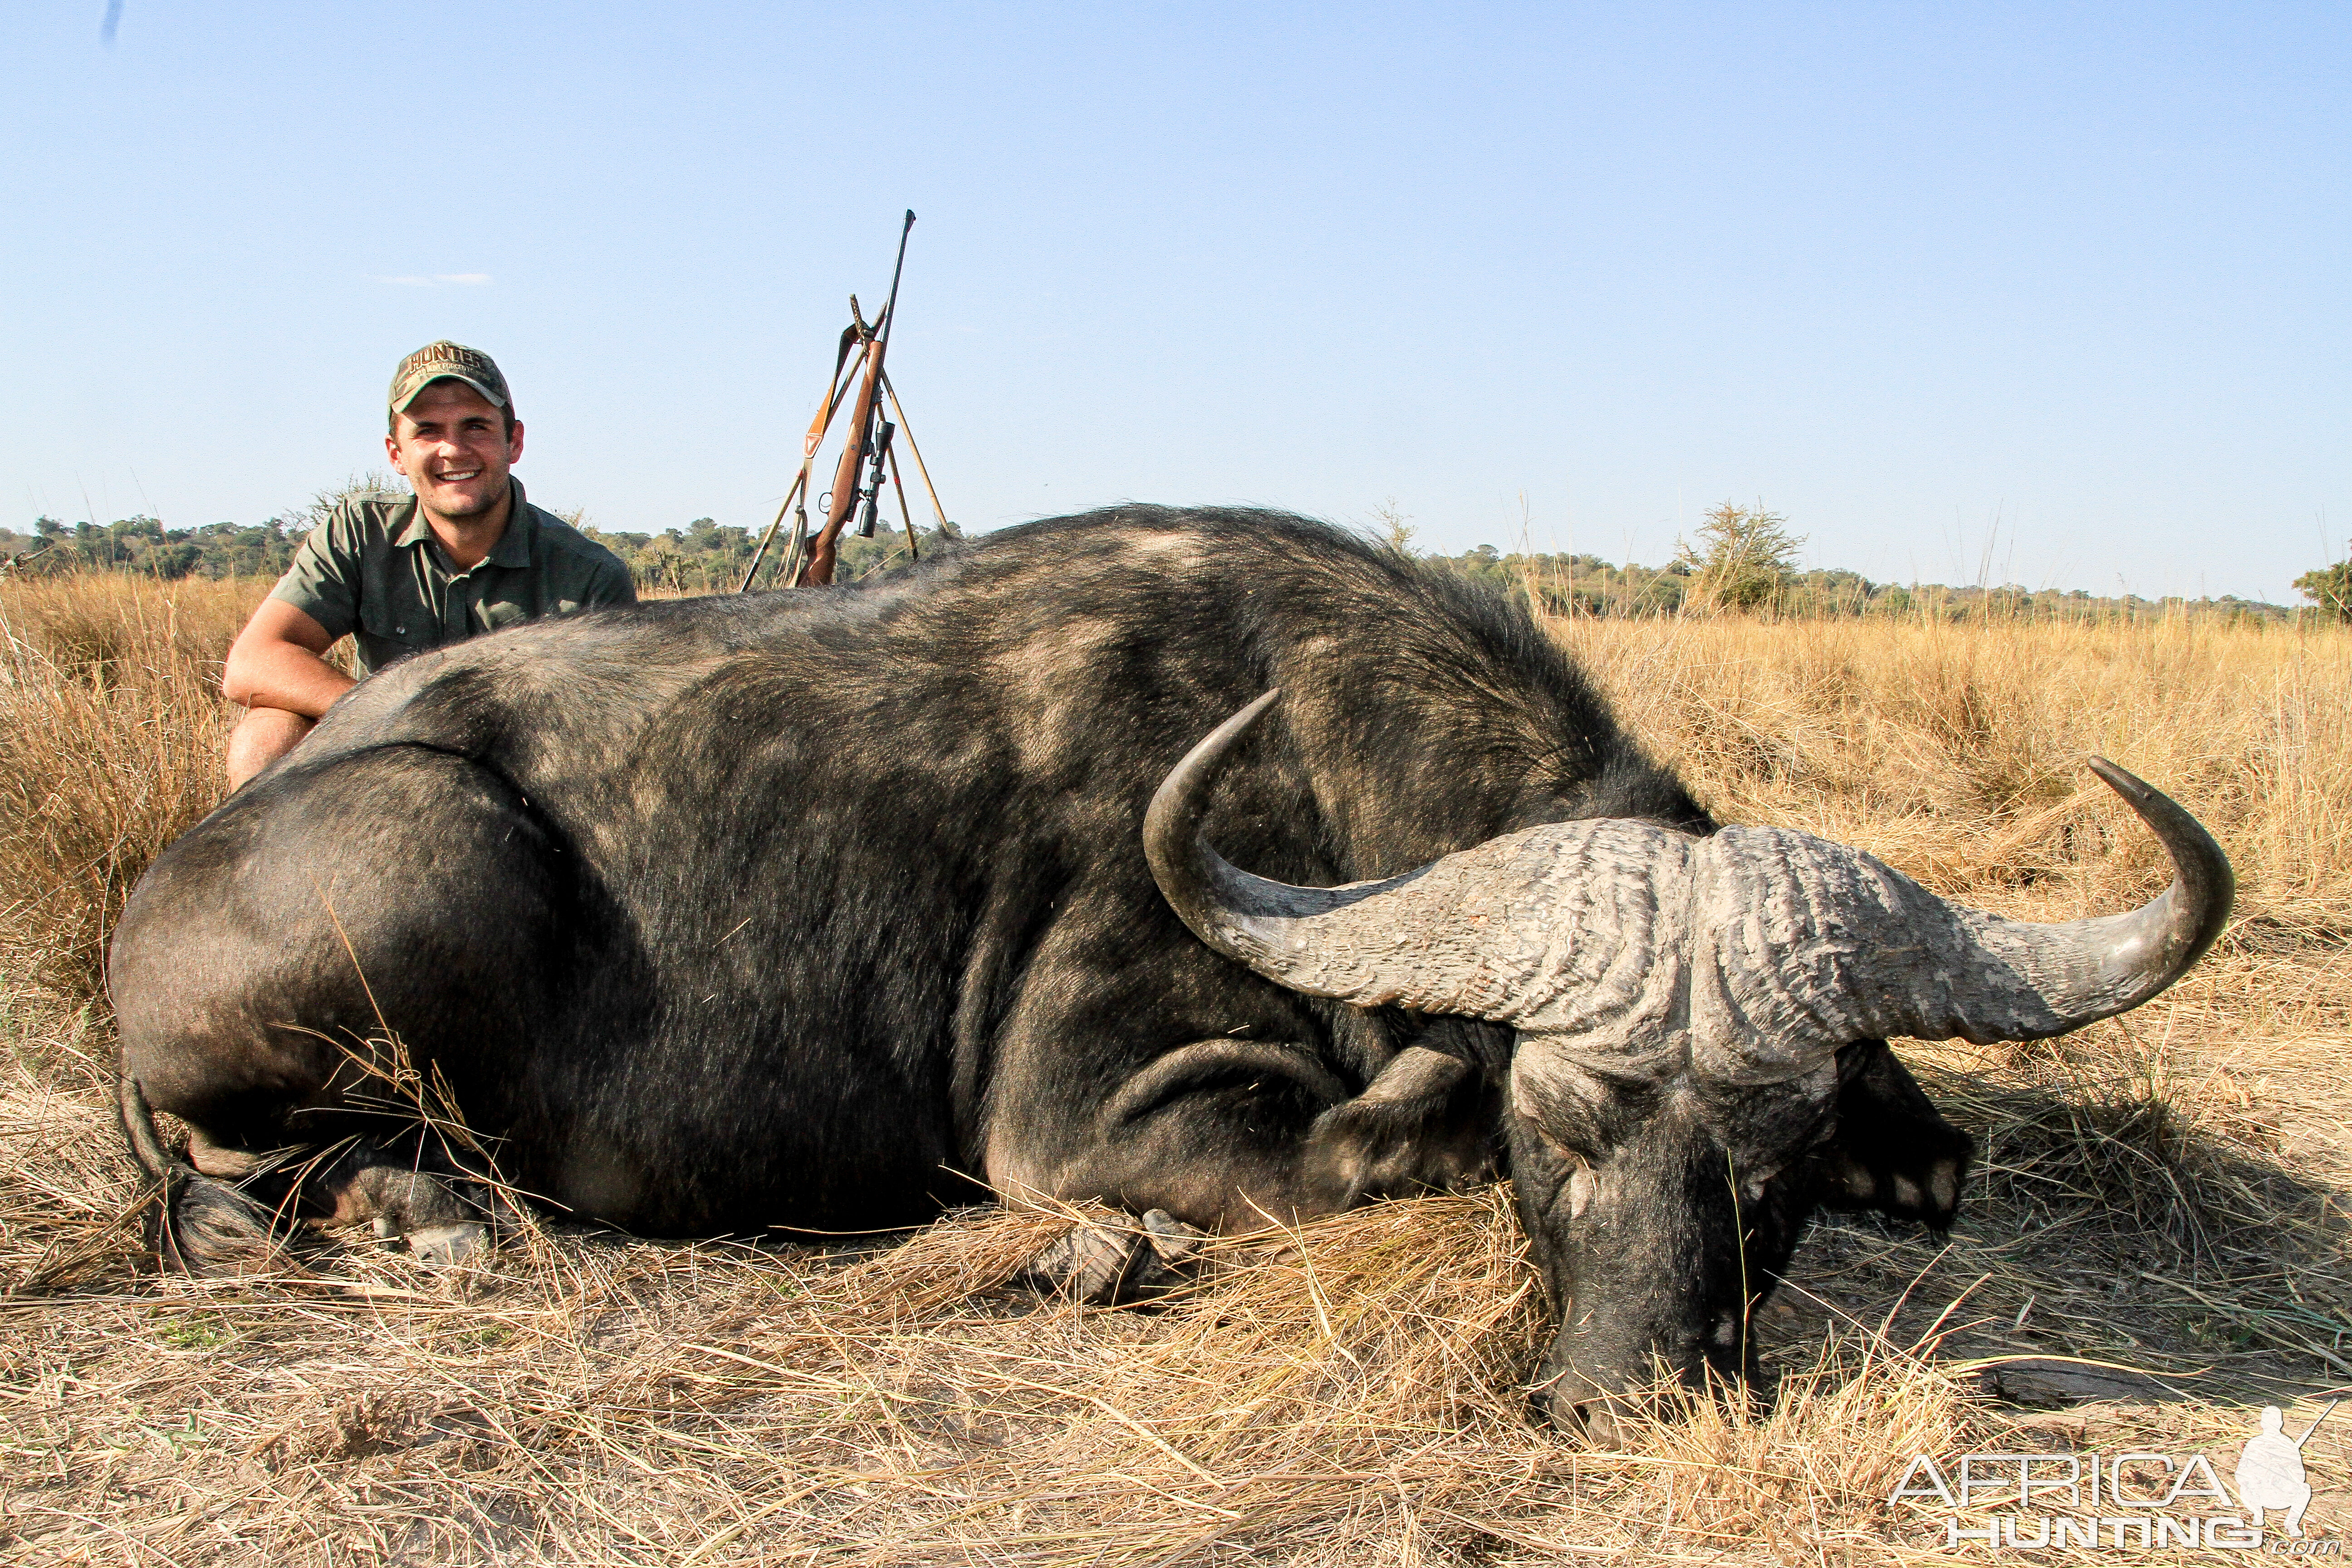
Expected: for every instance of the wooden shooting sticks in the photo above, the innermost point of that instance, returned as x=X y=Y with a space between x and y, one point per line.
x=808 y=560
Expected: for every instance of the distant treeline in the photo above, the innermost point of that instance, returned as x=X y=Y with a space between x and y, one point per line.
x=1589 y=586
x=707 y=557
x=143 y=545
x=704 y=556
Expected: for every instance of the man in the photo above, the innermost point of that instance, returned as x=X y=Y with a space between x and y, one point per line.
x=465 y=555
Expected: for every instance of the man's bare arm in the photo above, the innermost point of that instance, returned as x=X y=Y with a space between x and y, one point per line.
x=276 y=663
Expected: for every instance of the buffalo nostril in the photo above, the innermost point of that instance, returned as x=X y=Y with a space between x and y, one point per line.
x=1573 y=1417
x=1599 y=1422
x=1596 y=1417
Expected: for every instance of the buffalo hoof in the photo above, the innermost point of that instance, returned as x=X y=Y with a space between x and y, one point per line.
x=1100 y=1267
x=446 y=1245
x=209 y=1227
x=1176 y=1244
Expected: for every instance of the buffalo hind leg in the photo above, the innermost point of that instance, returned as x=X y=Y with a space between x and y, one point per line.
x=226 y=1208
x=202 y=1224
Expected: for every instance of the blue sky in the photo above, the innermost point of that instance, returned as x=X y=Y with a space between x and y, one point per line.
x=2054 y=294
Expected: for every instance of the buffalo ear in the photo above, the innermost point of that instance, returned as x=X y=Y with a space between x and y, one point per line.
x=1893 y=1151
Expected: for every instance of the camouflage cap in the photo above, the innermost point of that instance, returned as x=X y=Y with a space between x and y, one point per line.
x=455 y=362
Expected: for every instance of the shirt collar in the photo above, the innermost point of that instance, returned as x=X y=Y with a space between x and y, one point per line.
x=417 y=531
x=514 y=548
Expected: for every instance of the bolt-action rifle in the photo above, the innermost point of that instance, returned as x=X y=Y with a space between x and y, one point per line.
x=873 y=443
x=868 y=441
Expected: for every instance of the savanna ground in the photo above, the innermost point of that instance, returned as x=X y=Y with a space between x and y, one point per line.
x=2154 y=1245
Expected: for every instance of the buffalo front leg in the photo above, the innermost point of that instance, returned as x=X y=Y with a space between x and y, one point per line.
x=1237 y=1135
x=1893 y=1151
x=1102 y=1266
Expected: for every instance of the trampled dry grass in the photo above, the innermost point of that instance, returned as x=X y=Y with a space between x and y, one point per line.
x=2163 y=1195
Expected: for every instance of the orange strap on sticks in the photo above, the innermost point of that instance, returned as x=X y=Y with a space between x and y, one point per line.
x=851 y=336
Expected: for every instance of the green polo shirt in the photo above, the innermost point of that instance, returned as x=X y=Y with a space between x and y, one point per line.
x=373 y=571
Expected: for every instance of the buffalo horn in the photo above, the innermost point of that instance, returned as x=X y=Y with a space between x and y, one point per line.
x=1541 y=927
x=1802 y=944
x=1906 y=962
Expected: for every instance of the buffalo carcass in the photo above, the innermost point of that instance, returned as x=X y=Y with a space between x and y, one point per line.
x=822 y=909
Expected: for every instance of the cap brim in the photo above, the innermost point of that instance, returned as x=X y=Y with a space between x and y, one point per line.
x=494 y=398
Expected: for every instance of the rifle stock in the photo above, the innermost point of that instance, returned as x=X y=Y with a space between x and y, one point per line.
x=851 y=337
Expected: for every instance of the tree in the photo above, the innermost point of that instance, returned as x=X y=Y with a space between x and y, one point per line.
x=2330 y=588
x=1393 y=526
x=304 y=516
x=1745 y=558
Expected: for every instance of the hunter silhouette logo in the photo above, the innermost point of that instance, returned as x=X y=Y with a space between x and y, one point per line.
x=2270 y=1470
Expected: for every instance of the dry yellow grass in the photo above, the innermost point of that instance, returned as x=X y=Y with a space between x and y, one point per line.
x=1955 y=749
x=112 y=726
x=2164 y=1192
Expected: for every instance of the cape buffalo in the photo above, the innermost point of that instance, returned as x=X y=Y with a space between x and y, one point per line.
x=823 y=909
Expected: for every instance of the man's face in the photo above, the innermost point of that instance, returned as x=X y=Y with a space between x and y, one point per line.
x=453 y=445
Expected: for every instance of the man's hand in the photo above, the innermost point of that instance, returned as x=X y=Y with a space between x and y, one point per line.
x=276 y=662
